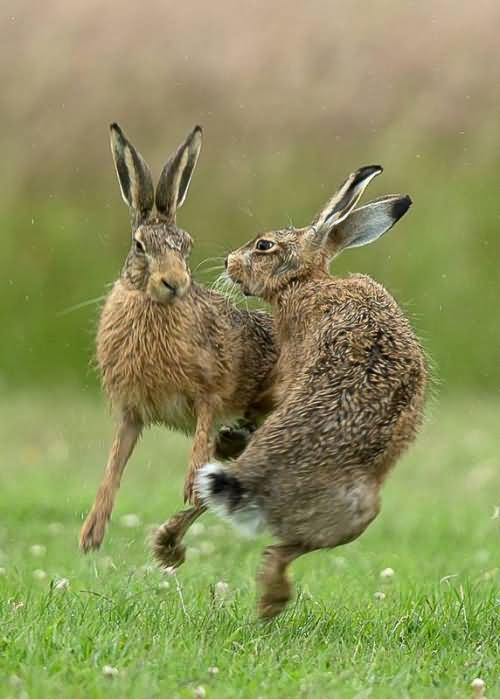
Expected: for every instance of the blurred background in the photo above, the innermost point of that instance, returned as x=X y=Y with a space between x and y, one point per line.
x=292 y=96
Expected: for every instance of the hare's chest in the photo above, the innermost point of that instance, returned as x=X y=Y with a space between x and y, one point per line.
x=155 y=390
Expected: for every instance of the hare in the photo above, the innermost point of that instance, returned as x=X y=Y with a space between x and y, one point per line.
x=170 y=351
x=348 y=393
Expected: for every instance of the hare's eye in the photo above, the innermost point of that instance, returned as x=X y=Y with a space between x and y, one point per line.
x=139 y=247
x=264 y=245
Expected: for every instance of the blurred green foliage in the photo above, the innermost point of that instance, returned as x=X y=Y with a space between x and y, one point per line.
x=441 y=261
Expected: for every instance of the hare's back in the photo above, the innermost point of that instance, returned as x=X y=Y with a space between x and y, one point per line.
x=365 y=335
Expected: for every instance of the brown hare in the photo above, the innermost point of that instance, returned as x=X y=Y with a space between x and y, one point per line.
x=349 y=390
x=170 y=351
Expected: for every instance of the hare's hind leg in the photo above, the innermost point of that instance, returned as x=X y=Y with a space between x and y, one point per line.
x=168 y=548
x=92 y=532
x=275 y=586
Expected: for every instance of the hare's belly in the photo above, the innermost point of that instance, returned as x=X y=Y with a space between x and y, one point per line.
x=178 y=413
x=173 y=410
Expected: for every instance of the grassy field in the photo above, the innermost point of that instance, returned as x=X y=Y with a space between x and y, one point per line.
x=427 y=631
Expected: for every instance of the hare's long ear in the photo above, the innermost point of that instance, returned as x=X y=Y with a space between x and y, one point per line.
x=367 y=223
x=176 y=175
x=342 y=203
x=134 y=176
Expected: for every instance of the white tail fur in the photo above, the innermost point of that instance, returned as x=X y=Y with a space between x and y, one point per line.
x=222 y=492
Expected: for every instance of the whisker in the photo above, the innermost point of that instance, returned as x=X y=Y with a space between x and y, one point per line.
x=77 y=306
x=209 y=259
x=209 y=270
x=225 y=285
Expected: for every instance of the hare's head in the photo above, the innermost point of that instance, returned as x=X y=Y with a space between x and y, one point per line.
x=157 y=262
x=266 y=265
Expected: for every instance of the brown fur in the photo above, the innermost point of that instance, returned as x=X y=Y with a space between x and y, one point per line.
x=349 y=390
x=170 y=351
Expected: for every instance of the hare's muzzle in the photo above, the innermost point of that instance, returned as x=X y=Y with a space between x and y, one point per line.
x=233 y=267
x=168 y=288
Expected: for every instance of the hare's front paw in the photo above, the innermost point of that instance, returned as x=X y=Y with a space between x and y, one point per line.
x=230 y=442
x=92 y=532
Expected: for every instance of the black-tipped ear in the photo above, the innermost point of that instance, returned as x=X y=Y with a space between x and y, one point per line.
x=134 y=175
x=342 y=202
x=176 y=175
x=367 y=223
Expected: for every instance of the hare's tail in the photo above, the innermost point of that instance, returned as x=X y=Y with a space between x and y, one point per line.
x=223 y=493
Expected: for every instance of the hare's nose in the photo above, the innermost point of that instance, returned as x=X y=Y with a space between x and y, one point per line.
x=170 y=287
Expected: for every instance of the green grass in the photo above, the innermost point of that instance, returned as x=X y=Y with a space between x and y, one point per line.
x=437 y=628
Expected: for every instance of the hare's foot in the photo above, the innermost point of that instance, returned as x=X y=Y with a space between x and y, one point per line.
x=231 y=442
x=276 y=588
x=93 y=530
x=274 y=598
x=168 y=548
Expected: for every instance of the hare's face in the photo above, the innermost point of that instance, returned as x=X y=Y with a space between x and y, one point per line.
x=157 y=263
x=266 y=265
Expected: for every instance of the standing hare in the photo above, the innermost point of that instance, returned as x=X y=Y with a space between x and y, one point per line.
x=170 y=351
x=349 y=390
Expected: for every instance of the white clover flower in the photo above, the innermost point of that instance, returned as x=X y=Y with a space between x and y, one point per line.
x=200 y=692
x=387 y=573
x=39 y=574
x=222 y=591
x=213 y=670
x=130 y=521
x=163 y=585
x=379 y=596
x=38 y=550
x=339 y=561
x=478 y=686
x=110 y=671
x=62 y=585
x=55 y=528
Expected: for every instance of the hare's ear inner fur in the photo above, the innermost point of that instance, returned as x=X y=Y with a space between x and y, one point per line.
x=134 y=175
x=342 y=203
x=367 y=223
x=176 y=175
